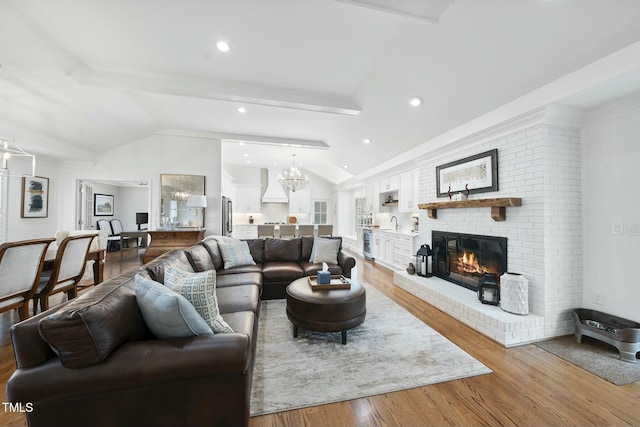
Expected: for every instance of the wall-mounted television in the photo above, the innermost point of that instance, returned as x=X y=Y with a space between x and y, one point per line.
x=142 y=218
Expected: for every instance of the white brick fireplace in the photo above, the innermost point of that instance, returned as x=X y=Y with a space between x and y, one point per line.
x=539 y=160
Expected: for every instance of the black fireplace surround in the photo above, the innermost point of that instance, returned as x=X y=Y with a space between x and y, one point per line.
x=463 y=258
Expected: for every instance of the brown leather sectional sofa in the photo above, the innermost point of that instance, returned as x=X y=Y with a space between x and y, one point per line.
x=109 y=370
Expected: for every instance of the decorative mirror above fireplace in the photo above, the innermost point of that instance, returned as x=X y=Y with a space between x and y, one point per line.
x=464 y=258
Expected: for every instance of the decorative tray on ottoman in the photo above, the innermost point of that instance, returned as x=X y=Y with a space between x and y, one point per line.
x=337 y=282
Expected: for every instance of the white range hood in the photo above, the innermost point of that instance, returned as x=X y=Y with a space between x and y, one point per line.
x=274 y=193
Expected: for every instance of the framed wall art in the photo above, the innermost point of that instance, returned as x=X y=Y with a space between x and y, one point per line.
x=473 y=174
x=35 y=197
x=102 y=205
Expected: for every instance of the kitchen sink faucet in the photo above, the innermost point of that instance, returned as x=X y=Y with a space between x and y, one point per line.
x=391 y=220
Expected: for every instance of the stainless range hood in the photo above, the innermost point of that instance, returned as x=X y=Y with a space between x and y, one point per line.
x=274 y=192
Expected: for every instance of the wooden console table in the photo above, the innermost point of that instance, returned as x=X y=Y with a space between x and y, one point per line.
x=167 y=240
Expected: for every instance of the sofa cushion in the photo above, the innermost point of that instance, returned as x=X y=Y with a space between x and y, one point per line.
x=200 y=290
x=325 y=250
x=177 y=259
x=276 y=250
x=89 y=328
x=257 y=268
x=239 y=298
x=211 y=245
x=235 y=254
x=256 y=247
x=281 y=271
x=250 y=278
x=199 y=258
x=243 y=322
x=167 y=313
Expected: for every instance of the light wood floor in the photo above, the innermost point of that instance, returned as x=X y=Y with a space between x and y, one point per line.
x=528 y=386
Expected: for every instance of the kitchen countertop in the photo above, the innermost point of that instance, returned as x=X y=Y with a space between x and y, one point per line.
x=391 y=230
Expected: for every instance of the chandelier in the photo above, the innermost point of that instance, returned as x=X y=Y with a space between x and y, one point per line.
x=8 y=149
x=293 y=179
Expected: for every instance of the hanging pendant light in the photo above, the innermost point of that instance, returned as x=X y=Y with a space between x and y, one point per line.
x=293 y=179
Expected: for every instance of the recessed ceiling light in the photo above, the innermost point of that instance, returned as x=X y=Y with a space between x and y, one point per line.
x=245 y=155
x=223 y=46
x=248 y=162
x=242 y=110
x=275 y=163
x=415 y=101
x=366 y=141
x=346 y=166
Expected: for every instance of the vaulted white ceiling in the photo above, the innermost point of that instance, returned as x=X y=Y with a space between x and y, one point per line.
x=78 y=77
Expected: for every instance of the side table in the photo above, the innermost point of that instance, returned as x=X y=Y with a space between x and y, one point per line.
x=167 y=240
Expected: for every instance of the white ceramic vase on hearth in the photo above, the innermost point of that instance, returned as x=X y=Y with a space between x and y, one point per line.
x=514 y=293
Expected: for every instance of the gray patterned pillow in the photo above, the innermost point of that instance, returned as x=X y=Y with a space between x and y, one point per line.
x=200 y=290
x=166 y=313
x=236 y=254
x=325 y=250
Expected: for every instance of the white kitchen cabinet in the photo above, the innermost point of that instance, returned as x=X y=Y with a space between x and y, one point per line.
x=408 y=191
x=245 y=231
x=372 y=198
x=393 y=250
x=248 y=199
x=389 y=183
x=300 y=201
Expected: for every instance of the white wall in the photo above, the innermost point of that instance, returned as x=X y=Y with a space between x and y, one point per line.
x=611 y=179
x=32 y=228
x=540 y=163
x=145 y=160
x=127 y=201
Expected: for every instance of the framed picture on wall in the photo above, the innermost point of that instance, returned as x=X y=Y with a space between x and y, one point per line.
x=477 y=174
x=35 y=197
x=102 y=205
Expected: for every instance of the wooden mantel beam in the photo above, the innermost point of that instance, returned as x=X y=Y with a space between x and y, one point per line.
x=498 y=206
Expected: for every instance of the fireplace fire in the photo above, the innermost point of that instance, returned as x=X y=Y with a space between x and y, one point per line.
x=464 y=258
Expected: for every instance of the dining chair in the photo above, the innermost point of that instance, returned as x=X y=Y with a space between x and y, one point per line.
x=325 y=230
x=266 y=230
x=20 y=270
x=306 y=230
x=113 y=240
x=287 y=231
x=67 y=270
x=98 y=244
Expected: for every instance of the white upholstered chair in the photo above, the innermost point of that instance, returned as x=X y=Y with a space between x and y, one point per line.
x=266 y=230
x=20 y=270
x=306 y=230
x=325 y=230
x=113 y=240
x=98 y=244
x=67 y=270
x=287 y=231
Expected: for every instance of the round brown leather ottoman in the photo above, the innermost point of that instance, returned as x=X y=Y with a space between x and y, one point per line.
x=325 y=310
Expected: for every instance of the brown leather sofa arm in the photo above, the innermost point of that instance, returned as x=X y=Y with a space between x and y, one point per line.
x=346 y=262
x=136 y=365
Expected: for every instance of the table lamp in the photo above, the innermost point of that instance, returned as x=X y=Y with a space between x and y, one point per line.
x=198 y=202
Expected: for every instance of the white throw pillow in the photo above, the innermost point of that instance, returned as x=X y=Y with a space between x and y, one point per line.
x=235 y=254
x=200 y=290
x=325 y=250
x=167 y=313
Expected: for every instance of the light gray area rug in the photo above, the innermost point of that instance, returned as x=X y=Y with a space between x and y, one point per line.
x=392 y=350
x=594 y=356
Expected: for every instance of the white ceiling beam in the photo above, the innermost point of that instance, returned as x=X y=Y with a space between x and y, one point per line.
x=428 y=11
x=248 y=139
x=219 y=89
